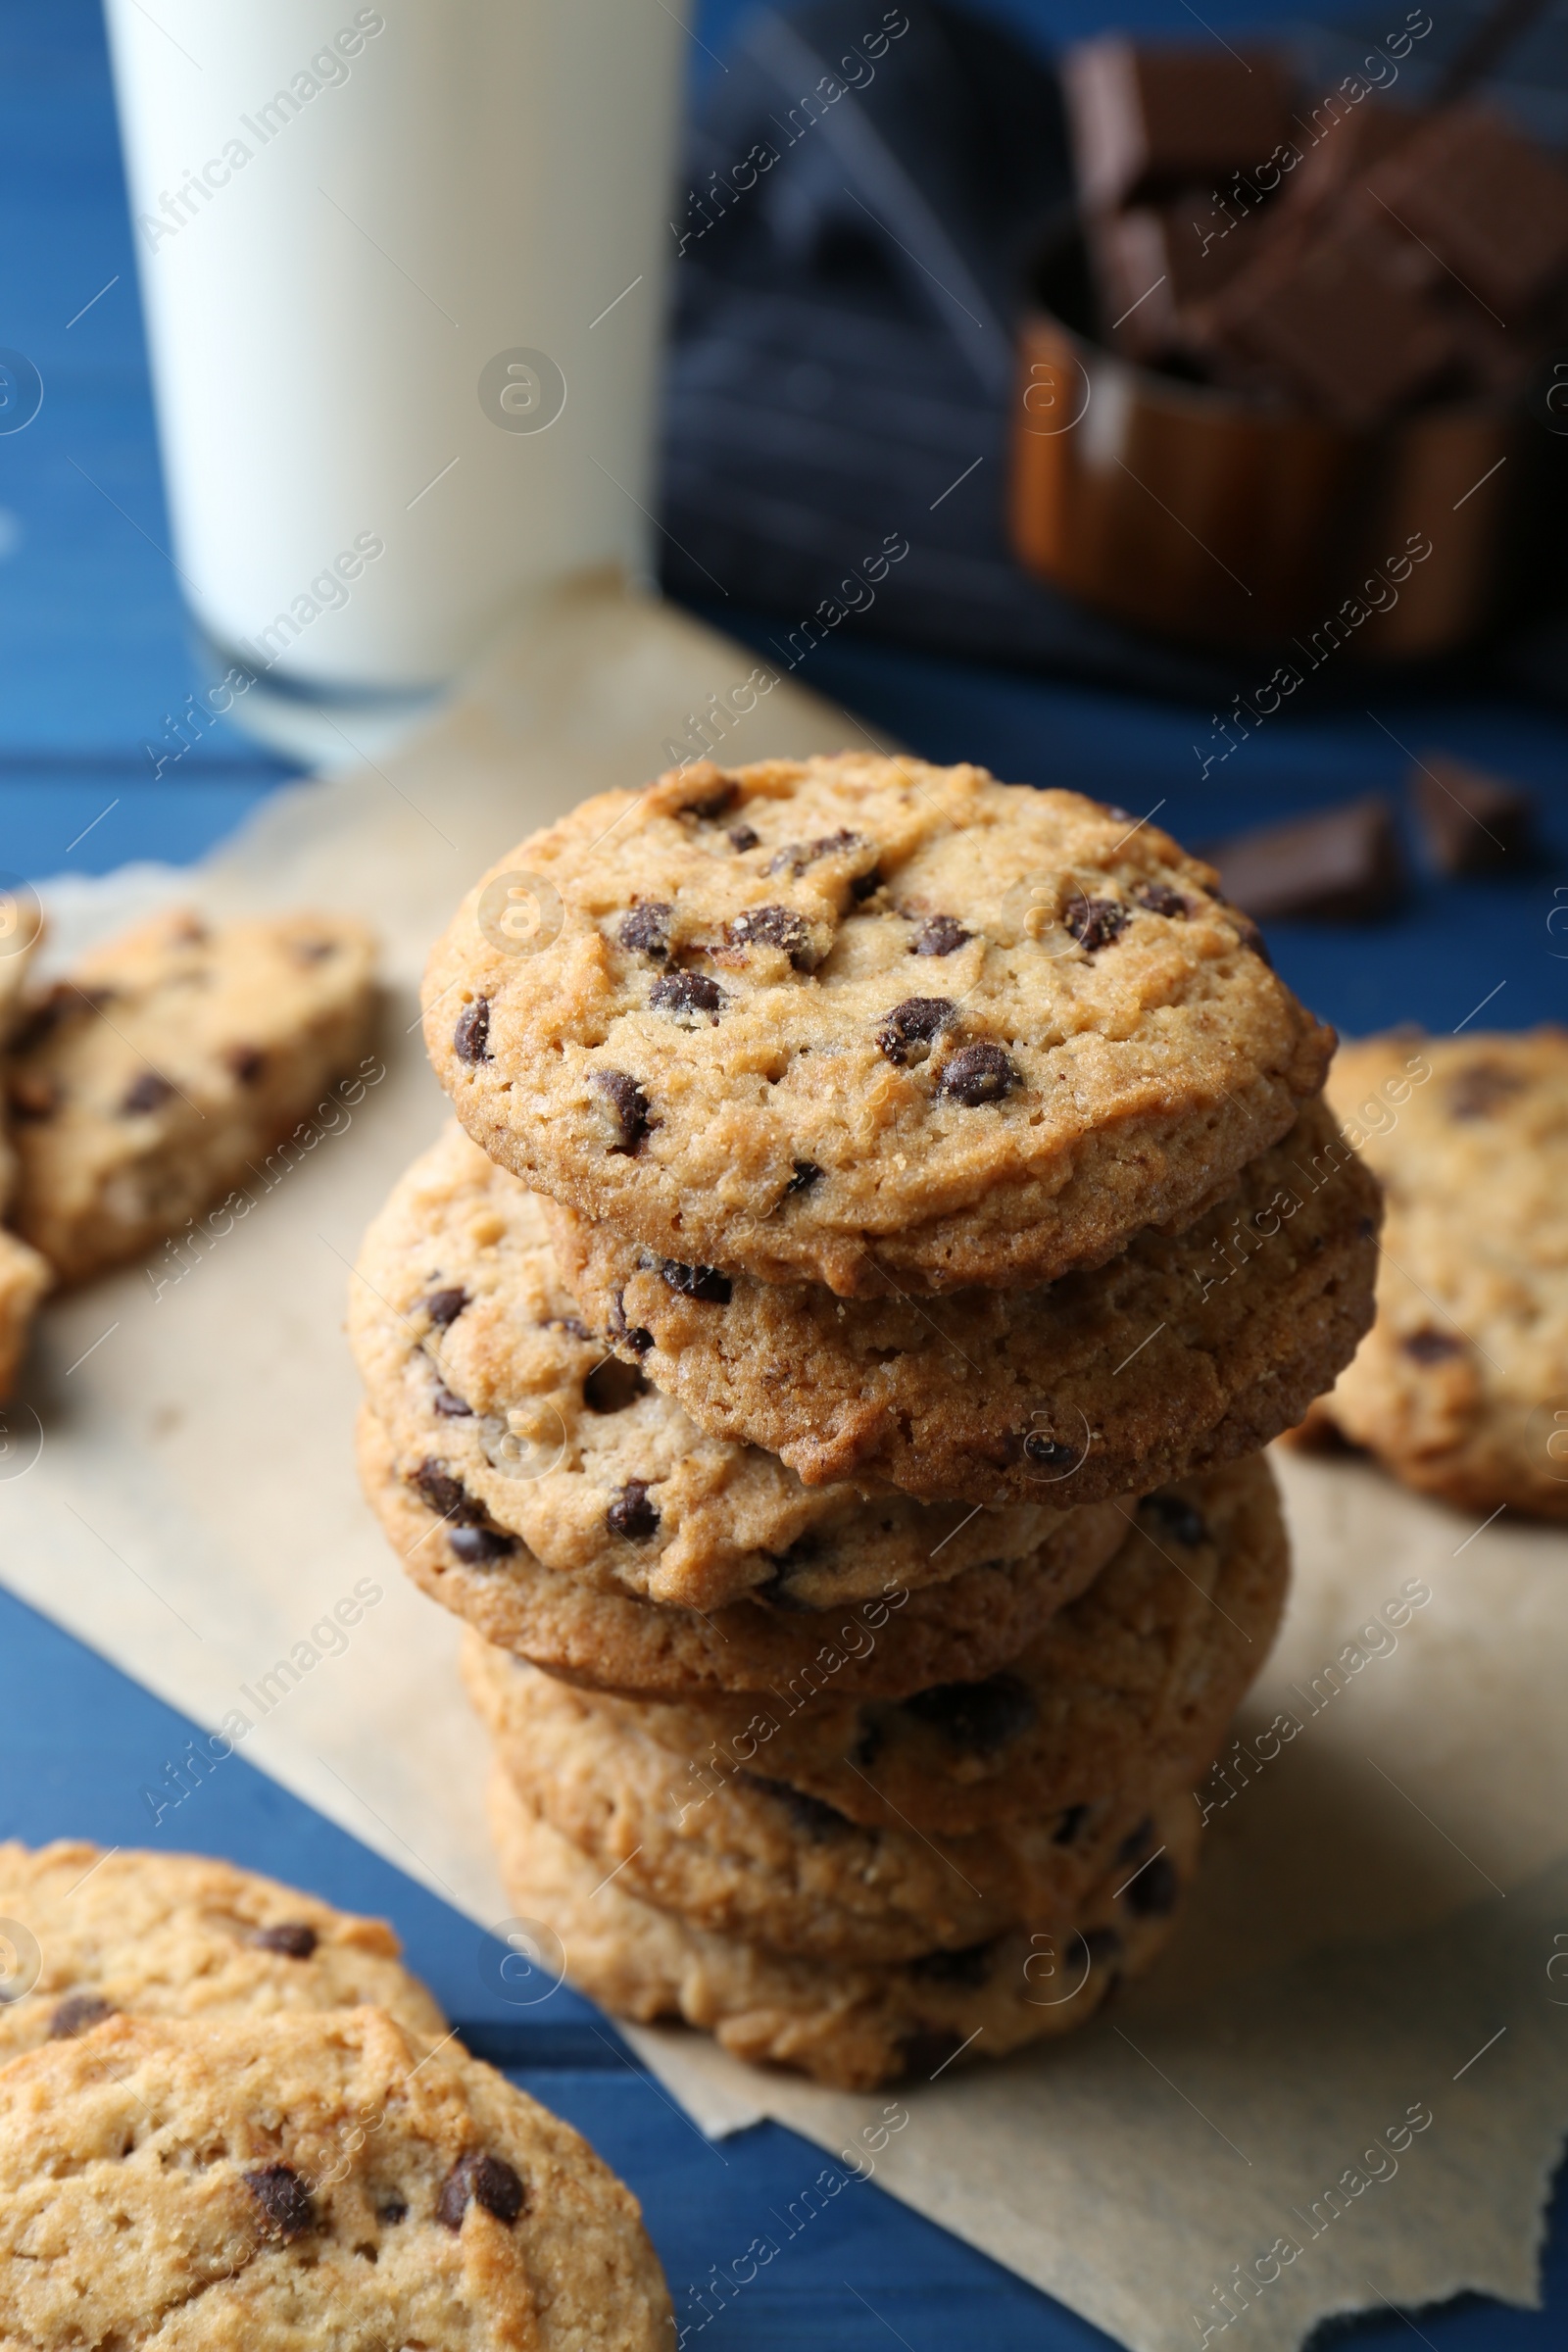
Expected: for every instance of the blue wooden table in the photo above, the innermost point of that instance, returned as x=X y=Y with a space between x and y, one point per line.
x=94 y=662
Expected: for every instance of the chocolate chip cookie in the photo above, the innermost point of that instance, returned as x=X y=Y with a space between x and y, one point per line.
x=1186 y=1351
x=145 y=1086
x=847 y=1019
x=25 y=1278
x=746 y=1855
x=852 y=2026
x=299 y=2180
x=1461 y=1387
x=1133 y=1683
x=508 y=1415
x=96 y=1934
x=892 y=1642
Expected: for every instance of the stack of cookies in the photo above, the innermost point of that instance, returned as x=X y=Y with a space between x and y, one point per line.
x=229 y=2115
x=827 y=1363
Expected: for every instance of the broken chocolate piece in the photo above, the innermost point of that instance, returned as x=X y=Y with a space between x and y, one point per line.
x=1149 y=120
x=1342 y=866
x=1471 y=822
x=1480 y=200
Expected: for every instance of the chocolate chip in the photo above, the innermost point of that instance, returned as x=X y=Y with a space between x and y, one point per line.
x=450 y=1406
x=246 y=1064
x=1049 y=1452
x=305 y=950
x=928 y=2051
x=1178 y=1518
x=774 y=927
x=573 y=1325
x=391 y=2211
x=1367 y=1229
x=646 y=930
x=1152 y=1893
x=742 y=839
x=1104 y=1945
x=487 y=2180
x=977 y=1074
x=807 y=1173
x=33 y=1099
x=908 y=1031
x=1471 y=821
x=611 y=1386
x=1481 y=1088
x=144 y=1094
x=631 y=1514
x=809 y=1814
x=869 y=1745
x=638 y=1340
x=1136 y=1839
x=470 y=1038
x=284 y=2199
x=447 y=1495
x=684 y=993
x=796 y=856
x=1096 y=922
x=976 y=1717
x=1431 y=1347
x=78 y=2014
x=697 y=1282
x=968 y=1969
x=479 y=1547
x=1160 y=898
x=941 y=935
x=711 y=803
x=444 y=1306
x=291 y=1936
x=630 y=1106
x=1068 y=1825
x=1250 y=937
x=865 y=886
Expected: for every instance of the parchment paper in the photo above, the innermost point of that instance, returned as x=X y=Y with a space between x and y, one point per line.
x=1380 y=1935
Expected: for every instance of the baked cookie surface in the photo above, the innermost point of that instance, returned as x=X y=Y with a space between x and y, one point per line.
x=180 y=1936
x=506 y=1413
x=1461 y=1386
x=301 y=2180
x=894 y=1641
x=742 y=1854
x=847 y=1018
x=1185 y=1350
x=1133 y=1683
x=145 y=1084
x=852 y=2026
x=25 y=1278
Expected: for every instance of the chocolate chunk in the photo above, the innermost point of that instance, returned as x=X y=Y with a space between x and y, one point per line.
x=967 y=1969
x=714 y=801
x=1068 y=1825
x=1472 y=823
x=144 y=1094
x=976 y=1718
x=742 y=839
x=687 y=995
x=391 y=2211
x=291 y=1936
x=283 y=2198
x=1152 y=1893
x=78 y=2014
x=33 y=1099
x=977 y=1074
x=940 y=934
x=611 y=1386
x=1342 y=866
x=1103 y=1945
x=245 y=1063
x=1136 y=1841
x=487 y=2180
x=865 y=886
x=697 y=1282
x=447 y=1495
x=573 y=1325
x=1148 y=119
x=1482 y=1087
x=796 y=856
x=444 y=1306
x=807 y=1173
x=646 y=930
x=630 y=1106
x=1176 y=1518
x=449 y=1406
x=928 y=2051
x=775 y=927
x=481 y=1547
x=1160 y=898
x=631 y=1514
x=470 y=1038
x=1096 y=922
x=1151 y=265
x=1483 y=201
x=809 y=1814
x=1431 y=1347
x=638 y=1340
x=907 y=1033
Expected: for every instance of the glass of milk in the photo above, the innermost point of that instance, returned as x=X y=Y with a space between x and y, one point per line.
x=403 y=271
